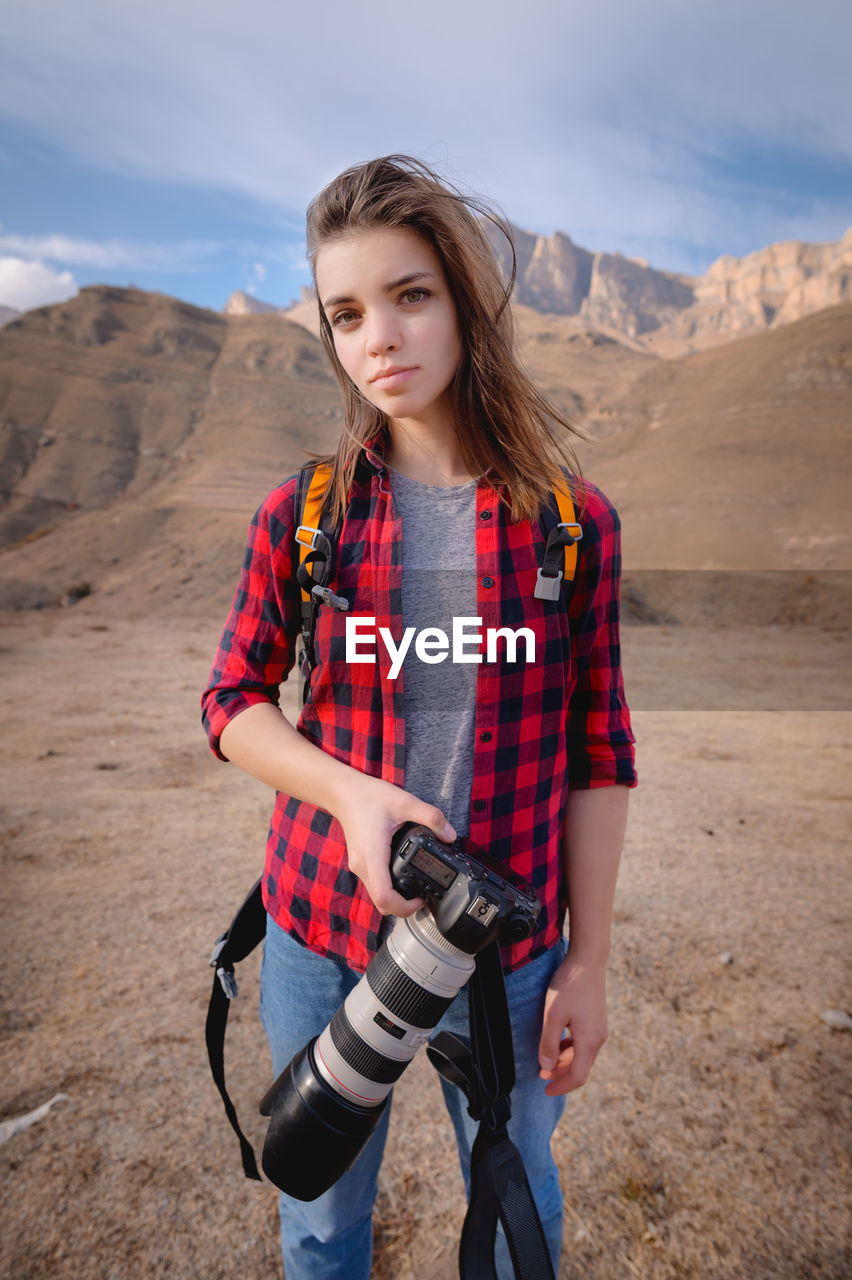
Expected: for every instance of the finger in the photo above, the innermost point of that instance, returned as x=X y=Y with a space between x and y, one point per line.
x=396 y=905
x=432 y=817
x=385 y=898
x=553 y=1032
x=572 y=1071
x=551 y=1053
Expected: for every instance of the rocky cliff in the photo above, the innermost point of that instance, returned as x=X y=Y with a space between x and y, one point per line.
x=670 y=313
x=241 y=303
x=774 y=286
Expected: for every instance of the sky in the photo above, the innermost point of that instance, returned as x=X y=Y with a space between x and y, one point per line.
x=174 y=145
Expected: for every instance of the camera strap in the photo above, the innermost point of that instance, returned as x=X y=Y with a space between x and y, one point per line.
x=499 y=1188
x=244 y=933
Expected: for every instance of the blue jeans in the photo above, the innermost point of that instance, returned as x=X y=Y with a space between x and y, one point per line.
x=331 y=1238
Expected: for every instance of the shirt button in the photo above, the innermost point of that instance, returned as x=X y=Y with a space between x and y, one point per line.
x=479 y=805
x=485 y=515
x=488 y=582
x=485 y=737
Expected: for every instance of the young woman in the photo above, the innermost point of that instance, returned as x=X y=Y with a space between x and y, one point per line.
x=446 y=457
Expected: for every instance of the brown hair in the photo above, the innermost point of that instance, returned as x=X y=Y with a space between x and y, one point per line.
x=508 y=425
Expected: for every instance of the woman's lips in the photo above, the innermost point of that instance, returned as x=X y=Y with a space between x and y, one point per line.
x=393 y=378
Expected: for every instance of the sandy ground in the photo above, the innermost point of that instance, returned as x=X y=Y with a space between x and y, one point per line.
x=713 y=1137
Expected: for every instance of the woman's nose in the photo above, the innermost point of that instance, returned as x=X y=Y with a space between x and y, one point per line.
x=382 y=333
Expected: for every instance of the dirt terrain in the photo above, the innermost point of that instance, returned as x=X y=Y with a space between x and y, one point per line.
x=712 y=1139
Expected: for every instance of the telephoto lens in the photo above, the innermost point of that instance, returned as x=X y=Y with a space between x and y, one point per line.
x=329 y=1099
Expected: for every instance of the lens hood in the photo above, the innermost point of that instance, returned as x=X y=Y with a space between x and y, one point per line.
x=314 y=1134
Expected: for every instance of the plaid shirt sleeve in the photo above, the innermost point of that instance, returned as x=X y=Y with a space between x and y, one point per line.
x=599 y=735
x=257 y=648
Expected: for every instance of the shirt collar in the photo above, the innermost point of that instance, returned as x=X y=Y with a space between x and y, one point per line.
x=374 y=452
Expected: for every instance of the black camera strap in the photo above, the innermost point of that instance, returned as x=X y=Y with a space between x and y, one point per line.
x=499 y=1188
x=243 y=934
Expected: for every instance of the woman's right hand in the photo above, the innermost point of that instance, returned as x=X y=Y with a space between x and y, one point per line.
x=370 y=811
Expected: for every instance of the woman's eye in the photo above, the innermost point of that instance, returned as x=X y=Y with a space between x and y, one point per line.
x=342 y=317
x=415 y=295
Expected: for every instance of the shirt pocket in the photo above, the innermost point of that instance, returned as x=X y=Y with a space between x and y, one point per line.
x=539 y=654
x=347 y=642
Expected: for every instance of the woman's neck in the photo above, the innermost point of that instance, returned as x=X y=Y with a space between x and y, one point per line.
x=430 y=455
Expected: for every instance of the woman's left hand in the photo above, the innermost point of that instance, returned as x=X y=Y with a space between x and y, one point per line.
x=574 y=1026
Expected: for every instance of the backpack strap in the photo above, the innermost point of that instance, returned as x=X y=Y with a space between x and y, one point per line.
x=317 y=536
x=562 y=532
x=310 y=489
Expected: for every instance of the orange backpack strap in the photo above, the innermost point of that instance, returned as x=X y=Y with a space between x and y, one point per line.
x=316 y=537
x=562 y=532
x=311 y=487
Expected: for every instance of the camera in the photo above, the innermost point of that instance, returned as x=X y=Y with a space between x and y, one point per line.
x=330 y=1097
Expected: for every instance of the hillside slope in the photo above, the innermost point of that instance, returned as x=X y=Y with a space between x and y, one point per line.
x=738 y=457
x=139 y=434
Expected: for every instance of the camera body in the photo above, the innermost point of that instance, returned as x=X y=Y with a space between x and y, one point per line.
x=472 y=898
x=329 y=1099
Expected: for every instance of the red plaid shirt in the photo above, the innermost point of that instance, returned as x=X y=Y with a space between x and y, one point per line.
x=542 y=727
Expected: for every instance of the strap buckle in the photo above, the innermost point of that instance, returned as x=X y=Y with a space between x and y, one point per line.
x=496 y=1117
x=309 y=541
x=325 y=595
x=546 y=586
x=228 y=982
x=225 y=975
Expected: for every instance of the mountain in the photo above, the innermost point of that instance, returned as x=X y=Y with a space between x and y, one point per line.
x=605 y=290
x=131 y=422
x=138 y=434
x=673 y=314
x=8 y=314
x=241 y=303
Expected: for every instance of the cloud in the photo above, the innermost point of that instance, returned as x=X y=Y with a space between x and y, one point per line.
x=112 y=255
x=24 y=285
x=290 y=254
x=257 y=275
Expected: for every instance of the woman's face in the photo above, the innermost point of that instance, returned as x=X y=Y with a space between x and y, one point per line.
x=393 y=318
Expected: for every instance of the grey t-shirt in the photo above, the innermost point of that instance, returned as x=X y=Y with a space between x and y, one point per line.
x=438 y=584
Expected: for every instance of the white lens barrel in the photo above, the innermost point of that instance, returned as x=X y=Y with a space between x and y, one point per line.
x=392 y=1011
